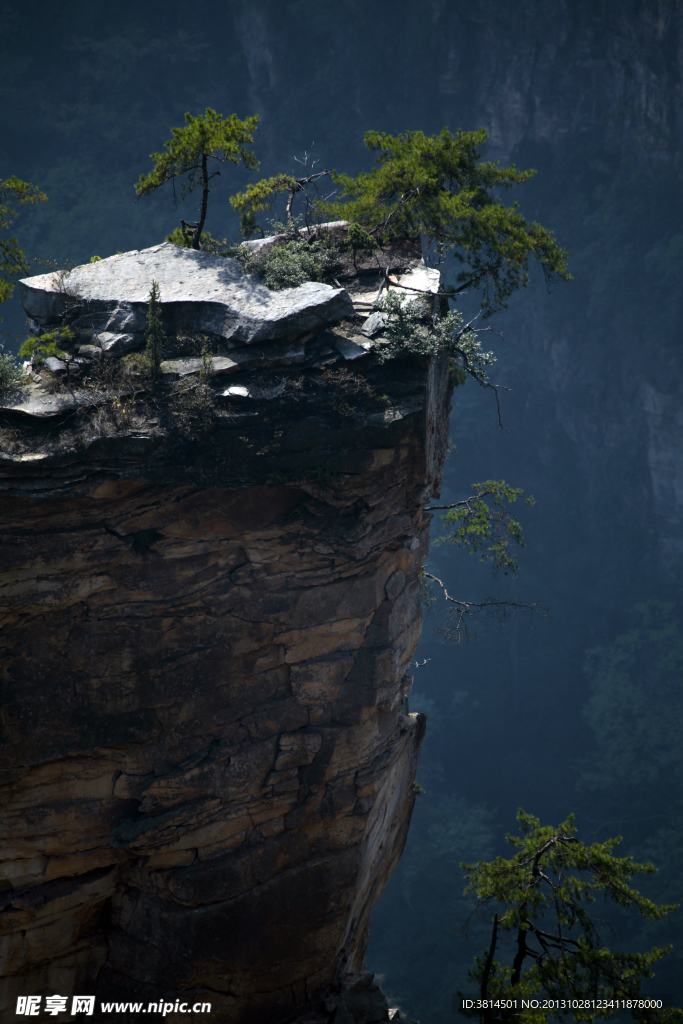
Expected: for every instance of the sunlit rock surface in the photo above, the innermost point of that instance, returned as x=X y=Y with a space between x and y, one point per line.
x=199 y=292
x=207 y=753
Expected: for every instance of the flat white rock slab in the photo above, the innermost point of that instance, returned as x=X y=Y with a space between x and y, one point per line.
x=195 y=364
x=34 y=402
x=351 y=349
x=200 y=292
x=421 y=278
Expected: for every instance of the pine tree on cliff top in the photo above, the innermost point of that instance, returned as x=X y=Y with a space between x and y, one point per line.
x=207 y=137
x=437 y=186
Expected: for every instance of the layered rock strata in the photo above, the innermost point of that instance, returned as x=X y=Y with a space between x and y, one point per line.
x=207 y=755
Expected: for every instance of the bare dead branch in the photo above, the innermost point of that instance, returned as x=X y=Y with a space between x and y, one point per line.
x=464 y=610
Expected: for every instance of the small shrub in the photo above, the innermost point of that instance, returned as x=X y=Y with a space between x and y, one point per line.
x=192 y=407
x=410 y=327
x=206 y=372
x=45 y=345
x=10 y=371
x=406 y=327
x=137 y=363
x=12 y=441
x=101 y=424
x=361 y=241
x=290 y=264
x=207 y=242
x=155 y=332
x=239 y=252
x=122 y=411
x=344 y=384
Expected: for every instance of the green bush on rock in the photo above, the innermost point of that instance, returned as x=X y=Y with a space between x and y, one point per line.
x=410 y=327
x=43 y=346
x=290 y=264
x=10 y=371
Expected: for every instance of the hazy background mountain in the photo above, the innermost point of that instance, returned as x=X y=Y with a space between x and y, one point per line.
x=590 y=94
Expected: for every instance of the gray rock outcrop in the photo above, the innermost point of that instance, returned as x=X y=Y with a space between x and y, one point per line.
x=202 y=292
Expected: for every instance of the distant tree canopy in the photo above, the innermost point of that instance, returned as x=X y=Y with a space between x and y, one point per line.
x=540 y=897
x=13 y=193
x=208 y=136
x=438 y=186
x=635 y=710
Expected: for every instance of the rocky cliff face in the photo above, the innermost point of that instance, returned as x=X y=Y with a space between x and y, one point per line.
x=207 y=754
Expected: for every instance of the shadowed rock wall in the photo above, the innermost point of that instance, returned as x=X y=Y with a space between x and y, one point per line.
x=207 y=756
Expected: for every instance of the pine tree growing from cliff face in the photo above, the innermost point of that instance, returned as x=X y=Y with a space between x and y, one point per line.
x=206 y=137
x=437 y=186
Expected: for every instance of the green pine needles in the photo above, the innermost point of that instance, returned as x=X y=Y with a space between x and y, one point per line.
x=13 y=193
x=545 y=945
x=438 y=187
x=207 y=137
x=486 y=529
x=360 y=241
x=155 y=332
x=259 y=197
x=263 y=195
x=42 y=346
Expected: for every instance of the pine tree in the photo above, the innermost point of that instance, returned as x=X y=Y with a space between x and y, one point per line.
x=12 y=256
x=155 y=332
x=208 y=136
x=540 y=896
x=437 y=186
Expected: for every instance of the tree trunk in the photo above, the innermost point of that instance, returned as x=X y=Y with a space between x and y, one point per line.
x=489 y=960
x=289 y=220
x=519 y=957
x=199 y=226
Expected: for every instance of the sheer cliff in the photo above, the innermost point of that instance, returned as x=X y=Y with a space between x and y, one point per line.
x=207 y=628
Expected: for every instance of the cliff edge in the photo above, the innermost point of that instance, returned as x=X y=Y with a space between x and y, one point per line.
x=210 y=605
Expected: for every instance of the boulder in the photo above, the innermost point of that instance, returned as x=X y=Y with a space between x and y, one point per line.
x=32 y=401
x=55 y=365
x=90 y=351
x=350 y=348
x=253 y=391
x=200 y=292
x=117 y=344
x=373 y=325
